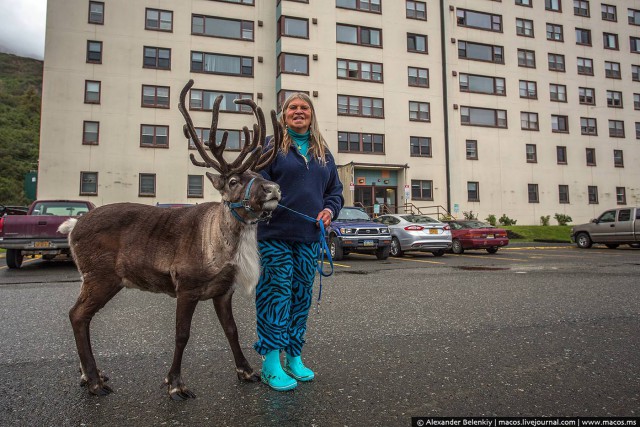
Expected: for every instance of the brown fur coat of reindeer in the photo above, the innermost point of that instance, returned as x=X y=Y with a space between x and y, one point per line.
x=193 y=254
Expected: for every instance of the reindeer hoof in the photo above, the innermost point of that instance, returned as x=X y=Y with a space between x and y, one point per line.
x=249 y=376
x=100 y=389
x=181 y=393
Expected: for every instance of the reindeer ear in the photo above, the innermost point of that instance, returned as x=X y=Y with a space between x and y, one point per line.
x=217 y=181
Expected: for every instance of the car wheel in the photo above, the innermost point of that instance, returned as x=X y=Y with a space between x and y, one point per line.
x=583 y=241
x=383 y=253
x=634 y=245
x=335 y=249
x=456 y=247
x=395 y=248
x=439 y=252
x=492 y=250
x=611 y=245
x=14 y=258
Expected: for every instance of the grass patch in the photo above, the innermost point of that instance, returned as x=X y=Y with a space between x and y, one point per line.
x=538 y=233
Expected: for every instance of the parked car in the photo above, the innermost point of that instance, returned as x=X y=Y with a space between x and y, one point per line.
x=473 y=234
x=13 y=210
x=173 y=205
x=614 y=227
x=354 y=231
x=416 y=233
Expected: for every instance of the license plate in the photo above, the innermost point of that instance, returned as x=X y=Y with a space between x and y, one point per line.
x=433 y=231
x=368 y=243
x=490 y=236
x=41 y=244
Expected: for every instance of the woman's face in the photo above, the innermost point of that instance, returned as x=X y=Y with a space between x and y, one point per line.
x=298 y=115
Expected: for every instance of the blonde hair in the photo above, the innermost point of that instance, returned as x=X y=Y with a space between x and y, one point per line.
x=318 y=147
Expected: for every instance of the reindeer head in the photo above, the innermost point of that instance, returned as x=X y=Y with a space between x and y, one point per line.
x=238 y=182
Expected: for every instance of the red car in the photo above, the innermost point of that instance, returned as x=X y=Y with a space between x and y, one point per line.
x=473 y=234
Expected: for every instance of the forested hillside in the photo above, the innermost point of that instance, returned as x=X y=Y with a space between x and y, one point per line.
x=20 y=93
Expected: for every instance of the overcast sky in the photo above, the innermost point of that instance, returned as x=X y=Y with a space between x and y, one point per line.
x=22 y=27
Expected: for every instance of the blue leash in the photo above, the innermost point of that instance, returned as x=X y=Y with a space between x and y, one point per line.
x=323 y=250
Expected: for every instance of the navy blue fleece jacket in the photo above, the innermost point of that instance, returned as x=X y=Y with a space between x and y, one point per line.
x=307 y=187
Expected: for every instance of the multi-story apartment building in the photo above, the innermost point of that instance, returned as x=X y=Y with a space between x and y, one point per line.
x=518 y=107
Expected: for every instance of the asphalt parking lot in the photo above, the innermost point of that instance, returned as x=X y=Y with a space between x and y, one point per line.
x=534 y=330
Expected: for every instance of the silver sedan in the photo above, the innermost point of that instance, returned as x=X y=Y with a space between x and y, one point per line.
x=416 y=233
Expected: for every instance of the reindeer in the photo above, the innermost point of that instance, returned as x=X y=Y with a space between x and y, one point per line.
x=192 y=254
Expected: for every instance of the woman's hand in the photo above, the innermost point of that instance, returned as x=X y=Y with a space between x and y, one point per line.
x=325 y=217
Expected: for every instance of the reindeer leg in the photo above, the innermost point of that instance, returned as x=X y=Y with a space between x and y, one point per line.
x=184 y=313
x=222 y=305
x=91 y=299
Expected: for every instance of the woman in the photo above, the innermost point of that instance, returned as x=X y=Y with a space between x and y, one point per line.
x=306 y=172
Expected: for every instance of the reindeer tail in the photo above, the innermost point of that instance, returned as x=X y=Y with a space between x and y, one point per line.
x=67 y=226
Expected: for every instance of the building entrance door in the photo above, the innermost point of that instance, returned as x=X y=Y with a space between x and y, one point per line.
x=376 y=199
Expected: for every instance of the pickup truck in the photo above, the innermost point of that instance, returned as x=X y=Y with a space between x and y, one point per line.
x=36 y=233
x=613 y=228
x=354 y=231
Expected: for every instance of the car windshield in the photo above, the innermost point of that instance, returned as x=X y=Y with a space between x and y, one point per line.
x=475 y=224
x=418 y=219
x=60 y=208
x=353 y=215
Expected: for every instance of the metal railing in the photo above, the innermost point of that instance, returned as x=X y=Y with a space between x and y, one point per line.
x=438 y=211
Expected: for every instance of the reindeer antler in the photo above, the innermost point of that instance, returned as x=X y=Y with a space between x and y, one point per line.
x=257 y=159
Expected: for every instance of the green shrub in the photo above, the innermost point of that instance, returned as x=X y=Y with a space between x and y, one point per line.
x=491 y=219
x=505 y=220
x=544 y=220
x=470 y=215
x=562 y=219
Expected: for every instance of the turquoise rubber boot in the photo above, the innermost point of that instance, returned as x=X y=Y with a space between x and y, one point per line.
x=273 y=375
x=293 y=366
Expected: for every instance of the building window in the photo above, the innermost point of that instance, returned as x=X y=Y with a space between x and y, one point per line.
x=417 y=43
x=592 y=192
x=157 y=57
x=195 y=186
x=585 y=66
x=591 y=156
x=634 y=16
x=610 y=41
x=555 y=32
x=588 y=126
x=420 y=146
x=526 y=58
x=583 y=37
x=416 y=10
x=419 y=111
x=363 y=5
x=88 y=183
x=528 y=121
x=621 y=196
x=155 y=96
x=634 y=43
x=482 y=84
x=203 y=100
x=618 y=158
x=531 y=153
x=225 y=28
x=609 y=12
x=559 y=124
x=587 y=96
x=96 y=12
x=359 y=70
x=91 y=92
x=533 y=193
x=293 y=27
x=235 y=138
x=524 y=3
x=475 y=116
x=360 y=106
x=614 y=99
x=581 y=8
x=528 y=89
x=636 y=101
x=479 y=20
x=291 y=63
x=363 y=36
x=154 y=136
x=524 y=27
x=637 y=130
x=421 y=189
x=245 y=2
x=94 y=52
x=473 y=191
x=563 y=194
x=556 y=62
x=215 y=63
x=612 y=70
x=472 y=149
x=90 y=133
x=158 y=20
x=558 y=93
x=561 y=155
x=480 y=52
x=553 y=5
x=635 y=73
x=418 y=77
x=354 y=142
x=147 y=185
x=616 y=128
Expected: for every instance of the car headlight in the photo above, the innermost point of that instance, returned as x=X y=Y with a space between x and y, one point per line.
x=384 y=230
x=347 y=231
